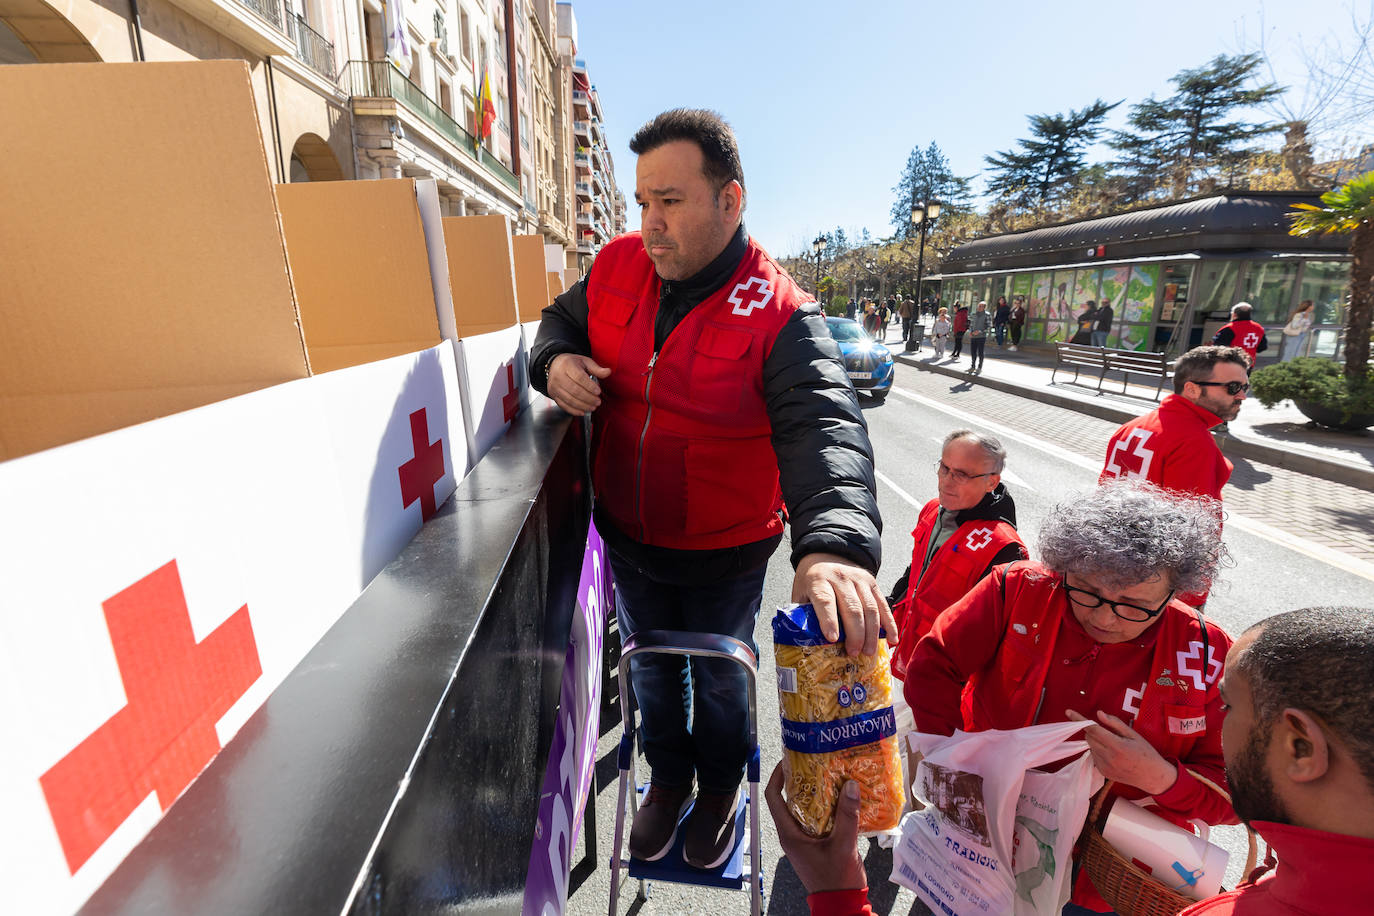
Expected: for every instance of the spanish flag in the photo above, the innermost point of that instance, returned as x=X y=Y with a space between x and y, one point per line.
x=486 y=109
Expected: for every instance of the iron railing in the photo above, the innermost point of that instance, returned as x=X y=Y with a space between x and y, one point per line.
x=378 y=79
x=312 y=48
x=267 y=9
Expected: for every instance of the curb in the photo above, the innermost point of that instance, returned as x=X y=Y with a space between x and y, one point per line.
x=1301 y=462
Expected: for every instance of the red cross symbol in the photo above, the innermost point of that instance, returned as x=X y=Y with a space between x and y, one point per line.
x=176 y=690
x=421 y=473
x=751 y=298
x=510 y=401
x=1131 y=456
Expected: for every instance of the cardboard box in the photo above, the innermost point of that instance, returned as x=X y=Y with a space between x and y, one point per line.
x=555 y=284
x=360 y=270
x=531 y=277
x=145 y=272
x=235 y=534
x=483 y=325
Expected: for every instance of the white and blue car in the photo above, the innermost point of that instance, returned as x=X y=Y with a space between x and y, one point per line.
x=868 y=362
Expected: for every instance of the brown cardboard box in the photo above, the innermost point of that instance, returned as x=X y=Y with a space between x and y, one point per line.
x=531 y=278
x=555 y=284
x=360 y=270
x=481 y=270
x=144 y=272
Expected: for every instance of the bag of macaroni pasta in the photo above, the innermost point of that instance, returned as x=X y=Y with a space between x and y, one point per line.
x=837 y=724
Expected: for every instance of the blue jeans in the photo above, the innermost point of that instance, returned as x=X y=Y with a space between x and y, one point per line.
x=1001 y=331
x=1099 y=338
x=708 y=737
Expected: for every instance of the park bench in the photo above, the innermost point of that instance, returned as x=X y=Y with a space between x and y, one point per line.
x=1104 y=360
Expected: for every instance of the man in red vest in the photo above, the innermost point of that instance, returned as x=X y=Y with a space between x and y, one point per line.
x=1172 y=445
x=1092 y=631
x=959 y=537
x=1242 y=332
x=1299 y=743
x=715 y=392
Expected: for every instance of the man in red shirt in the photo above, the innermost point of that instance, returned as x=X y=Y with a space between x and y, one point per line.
x=1299 y=745
x=1172 y=446
x=1242 y=332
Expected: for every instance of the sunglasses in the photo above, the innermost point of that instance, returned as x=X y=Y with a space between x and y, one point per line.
x=1232 y=388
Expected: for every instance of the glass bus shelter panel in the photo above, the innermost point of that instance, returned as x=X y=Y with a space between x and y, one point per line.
x=1327 y=284
x=1175 y=283
x=1134 y=305
x=1037 y=304
x=1216 y=295
x=1059 y=315
x=1268 y=286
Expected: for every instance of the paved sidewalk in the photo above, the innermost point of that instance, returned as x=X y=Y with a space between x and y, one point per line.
x=1280 y=437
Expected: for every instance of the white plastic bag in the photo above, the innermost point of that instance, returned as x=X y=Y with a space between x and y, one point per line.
x=985 y=802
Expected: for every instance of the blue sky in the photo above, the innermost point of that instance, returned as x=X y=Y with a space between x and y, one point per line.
x=828 y=98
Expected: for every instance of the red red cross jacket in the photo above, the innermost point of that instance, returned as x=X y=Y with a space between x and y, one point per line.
x=1171 y=447
x=1248 y=335
x=1000 y=658
x=681 y=450
x=956 y=567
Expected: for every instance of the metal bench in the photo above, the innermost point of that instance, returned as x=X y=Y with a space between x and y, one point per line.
x=1127 y=362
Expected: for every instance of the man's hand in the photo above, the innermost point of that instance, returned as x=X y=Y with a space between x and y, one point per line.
x=842 y=590
x=1123 y=755
x=573 y=383
x=828 y=863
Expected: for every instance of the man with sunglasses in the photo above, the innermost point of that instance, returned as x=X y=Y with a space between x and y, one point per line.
x=1172 y=445
x=1093 y=631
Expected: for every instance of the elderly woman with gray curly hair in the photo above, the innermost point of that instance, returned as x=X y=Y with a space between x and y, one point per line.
x=1093 y=631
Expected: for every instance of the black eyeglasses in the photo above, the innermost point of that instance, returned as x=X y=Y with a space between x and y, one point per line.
x=959 y=476
x=1131 y=612
x=1232 y=388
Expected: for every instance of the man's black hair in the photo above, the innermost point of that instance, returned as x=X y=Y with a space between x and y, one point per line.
x=1242 y=312
x=1319 y=660
x=1198 y=363
x=707 y=129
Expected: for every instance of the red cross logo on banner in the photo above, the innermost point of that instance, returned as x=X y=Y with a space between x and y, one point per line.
x=421 y=473
x=176 y=690
x=745 y=298
x=1131 y=457
x=510 y=401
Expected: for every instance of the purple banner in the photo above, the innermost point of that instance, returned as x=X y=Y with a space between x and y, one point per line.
x=572 y=756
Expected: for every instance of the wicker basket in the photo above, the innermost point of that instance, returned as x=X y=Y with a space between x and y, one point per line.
x=1129 y=890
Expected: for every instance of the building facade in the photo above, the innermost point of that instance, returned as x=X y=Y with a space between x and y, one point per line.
x=1171 y=273
x=363 y=89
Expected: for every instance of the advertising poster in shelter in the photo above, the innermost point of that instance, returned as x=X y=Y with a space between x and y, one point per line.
x=1137 y=309
x=1059 y=323
x=1037 y=305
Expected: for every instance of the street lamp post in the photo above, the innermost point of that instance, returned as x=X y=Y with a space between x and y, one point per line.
x=923 y=217
x=818 y=246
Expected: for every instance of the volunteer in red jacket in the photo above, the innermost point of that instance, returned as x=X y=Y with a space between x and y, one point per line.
x=1242 y=332
x=715 y=390
x=959 y=537
x=1299 y=742
x=1092 y=631
x=1172 y=445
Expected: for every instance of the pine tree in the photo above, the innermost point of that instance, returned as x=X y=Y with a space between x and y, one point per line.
x=1196 y=136
x=1045 y=168
x=927 y=177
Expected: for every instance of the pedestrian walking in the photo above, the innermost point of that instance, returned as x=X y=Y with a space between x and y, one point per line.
x=871 y=319
x=1001 y=316
x=1102 y=324
x=979 y=324
x=1018 y=320
x=1296 y=332
x=960 y=327
x=904 y=311
x=1243 y=332
x=939 y=332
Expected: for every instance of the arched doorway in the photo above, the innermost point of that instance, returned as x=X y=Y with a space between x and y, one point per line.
x=313 y=160
x=31 y=32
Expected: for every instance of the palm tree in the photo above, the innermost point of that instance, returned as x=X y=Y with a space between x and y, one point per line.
x=1349 y=208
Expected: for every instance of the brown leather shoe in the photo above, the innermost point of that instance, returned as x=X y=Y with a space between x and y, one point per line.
x=656 y=821
x=711 y=829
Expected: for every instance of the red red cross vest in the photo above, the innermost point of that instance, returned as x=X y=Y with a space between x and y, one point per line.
x=1184 y=671
x=955 y=568
x=681 y=455
x=1248 y=335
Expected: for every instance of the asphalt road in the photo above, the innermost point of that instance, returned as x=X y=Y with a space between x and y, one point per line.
x=1274 y=571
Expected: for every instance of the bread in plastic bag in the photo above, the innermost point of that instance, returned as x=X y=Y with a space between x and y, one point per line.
x=837 y=724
